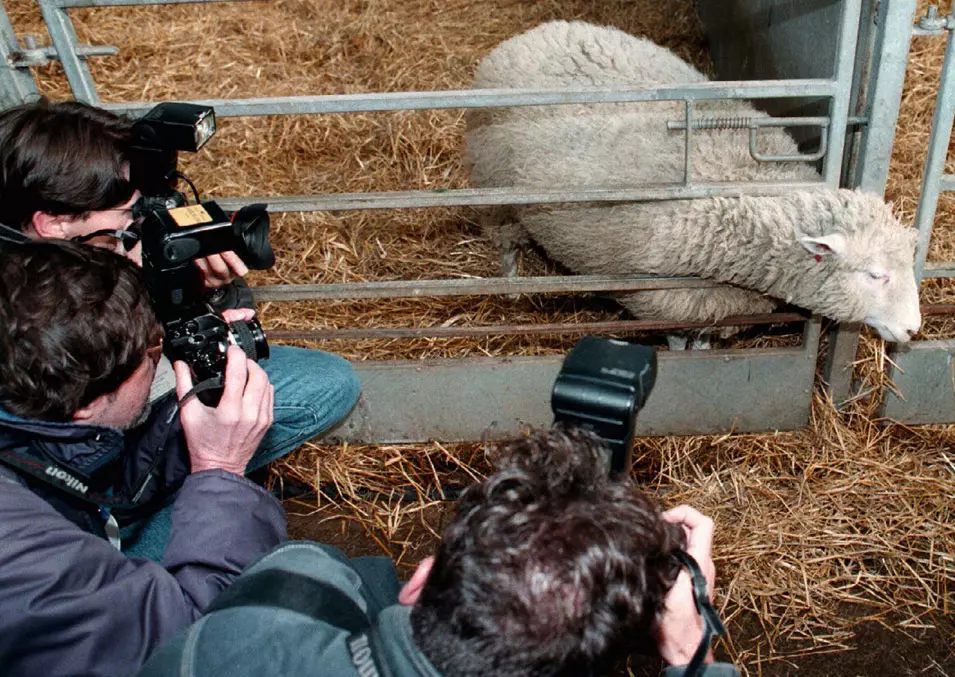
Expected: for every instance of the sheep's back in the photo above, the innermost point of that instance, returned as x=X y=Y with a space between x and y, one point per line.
x=606 y=145
x=560 y=54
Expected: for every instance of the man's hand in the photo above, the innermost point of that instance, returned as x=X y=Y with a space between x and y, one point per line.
x=219 y=270
x=680 y=628
x=227 y=436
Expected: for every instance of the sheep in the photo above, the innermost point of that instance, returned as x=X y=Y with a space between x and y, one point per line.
x=840 y=253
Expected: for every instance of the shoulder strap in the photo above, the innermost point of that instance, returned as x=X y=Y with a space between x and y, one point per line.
x=321 y=601
x=293 y=591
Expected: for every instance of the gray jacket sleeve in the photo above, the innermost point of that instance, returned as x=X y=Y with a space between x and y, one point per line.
x=72 y=604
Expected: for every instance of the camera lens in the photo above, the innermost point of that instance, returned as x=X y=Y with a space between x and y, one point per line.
x=249 y=335
x=251 y=228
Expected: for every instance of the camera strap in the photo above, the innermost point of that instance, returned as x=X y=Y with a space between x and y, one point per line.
x=712 y=625
x=63 y=478
x=214 y=383
x=10 y=235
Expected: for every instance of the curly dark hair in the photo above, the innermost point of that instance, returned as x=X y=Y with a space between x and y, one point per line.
x=547 y=568
x=75 y=323
x=66 y=158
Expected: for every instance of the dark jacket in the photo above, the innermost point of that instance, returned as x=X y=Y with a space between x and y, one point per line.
x=70 y=603
x=283 y=625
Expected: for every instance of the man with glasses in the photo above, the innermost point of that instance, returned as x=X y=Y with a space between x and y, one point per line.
x=66 y=175
x=82 y=454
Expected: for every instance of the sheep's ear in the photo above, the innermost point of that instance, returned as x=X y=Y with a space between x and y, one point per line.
x=826 y=245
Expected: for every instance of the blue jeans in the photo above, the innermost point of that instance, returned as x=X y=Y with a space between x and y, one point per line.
x=314 y=390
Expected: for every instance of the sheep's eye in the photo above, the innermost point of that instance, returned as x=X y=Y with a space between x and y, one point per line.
x=878 y=276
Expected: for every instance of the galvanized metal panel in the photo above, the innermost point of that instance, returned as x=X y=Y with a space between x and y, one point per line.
x=696 y=392
x=925 y=381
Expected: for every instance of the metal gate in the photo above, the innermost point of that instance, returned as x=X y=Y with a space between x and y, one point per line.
x=466 y=399
x=924 y=372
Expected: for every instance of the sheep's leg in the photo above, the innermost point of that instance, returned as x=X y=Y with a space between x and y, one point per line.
x=510 y=237
x=676 y=341
x=701 y=342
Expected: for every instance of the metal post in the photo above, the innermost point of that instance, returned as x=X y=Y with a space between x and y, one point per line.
x=64 y=39
x=935 y=161
x=16 y=84
x=882 y=94
x=839 y=106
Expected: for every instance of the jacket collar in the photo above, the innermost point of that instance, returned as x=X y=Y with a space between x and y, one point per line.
x=85 y=448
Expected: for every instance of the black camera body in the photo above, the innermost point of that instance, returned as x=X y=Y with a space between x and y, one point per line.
x=601 y=386
x=175 y=233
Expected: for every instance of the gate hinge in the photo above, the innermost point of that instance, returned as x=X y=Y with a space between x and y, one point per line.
x=30 y=54
x=933 y=24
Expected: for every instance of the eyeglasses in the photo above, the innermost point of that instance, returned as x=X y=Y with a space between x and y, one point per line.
x=127 y=238
x=155 y=353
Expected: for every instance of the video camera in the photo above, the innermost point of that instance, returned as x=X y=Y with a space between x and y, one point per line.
x=175 y=233
x=601 y=386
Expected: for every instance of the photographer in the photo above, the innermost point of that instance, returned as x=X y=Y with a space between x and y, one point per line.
x=548 y=567
x=81 y=452
x=66 y=174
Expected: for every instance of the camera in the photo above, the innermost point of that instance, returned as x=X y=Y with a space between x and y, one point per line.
x=175 y=233
x=601 y=386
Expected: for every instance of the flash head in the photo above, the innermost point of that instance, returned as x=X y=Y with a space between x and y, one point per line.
x=176 y=126
x=157 y=138
x=601 y=386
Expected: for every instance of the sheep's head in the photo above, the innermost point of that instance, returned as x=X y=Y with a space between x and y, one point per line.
x=869 y=259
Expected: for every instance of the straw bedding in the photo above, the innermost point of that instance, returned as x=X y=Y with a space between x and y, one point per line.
x=846 y=514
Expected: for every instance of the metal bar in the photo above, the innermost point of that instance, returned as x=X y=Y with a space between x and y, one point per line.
x=809 y=157
x=42 y=56
x=747 y=122
x=16 y=85
x=394 y=289
x=64 y=39
x=938 y=269
x=528 y=329
x=484 y=98
x=946 y=182
x=884 y=96
x=499 y=196
x=72 y=4
x=687 y=142
x=839 y=105
x=935 y=161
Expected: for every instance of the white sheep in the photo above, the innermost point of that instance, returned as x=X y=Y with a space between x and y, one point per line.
x=840 y=253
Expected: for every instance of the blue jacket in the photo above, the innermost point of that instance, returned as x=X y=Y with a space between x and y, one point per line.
x=70 y=603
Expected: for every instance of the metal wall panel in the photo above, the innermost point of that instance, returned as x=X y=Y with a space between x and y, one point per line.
x=924 y=377
x=696 y=392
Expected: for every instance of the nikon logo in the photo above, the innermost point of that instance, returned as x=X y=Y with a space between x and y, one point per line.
x=361 y=656
x=66 y=478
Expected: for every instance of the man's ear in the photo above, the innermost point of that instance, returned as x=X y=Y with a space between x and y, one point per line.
x=90 y=413
x=825 y=245
x=50 y=226
x=412 y=591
